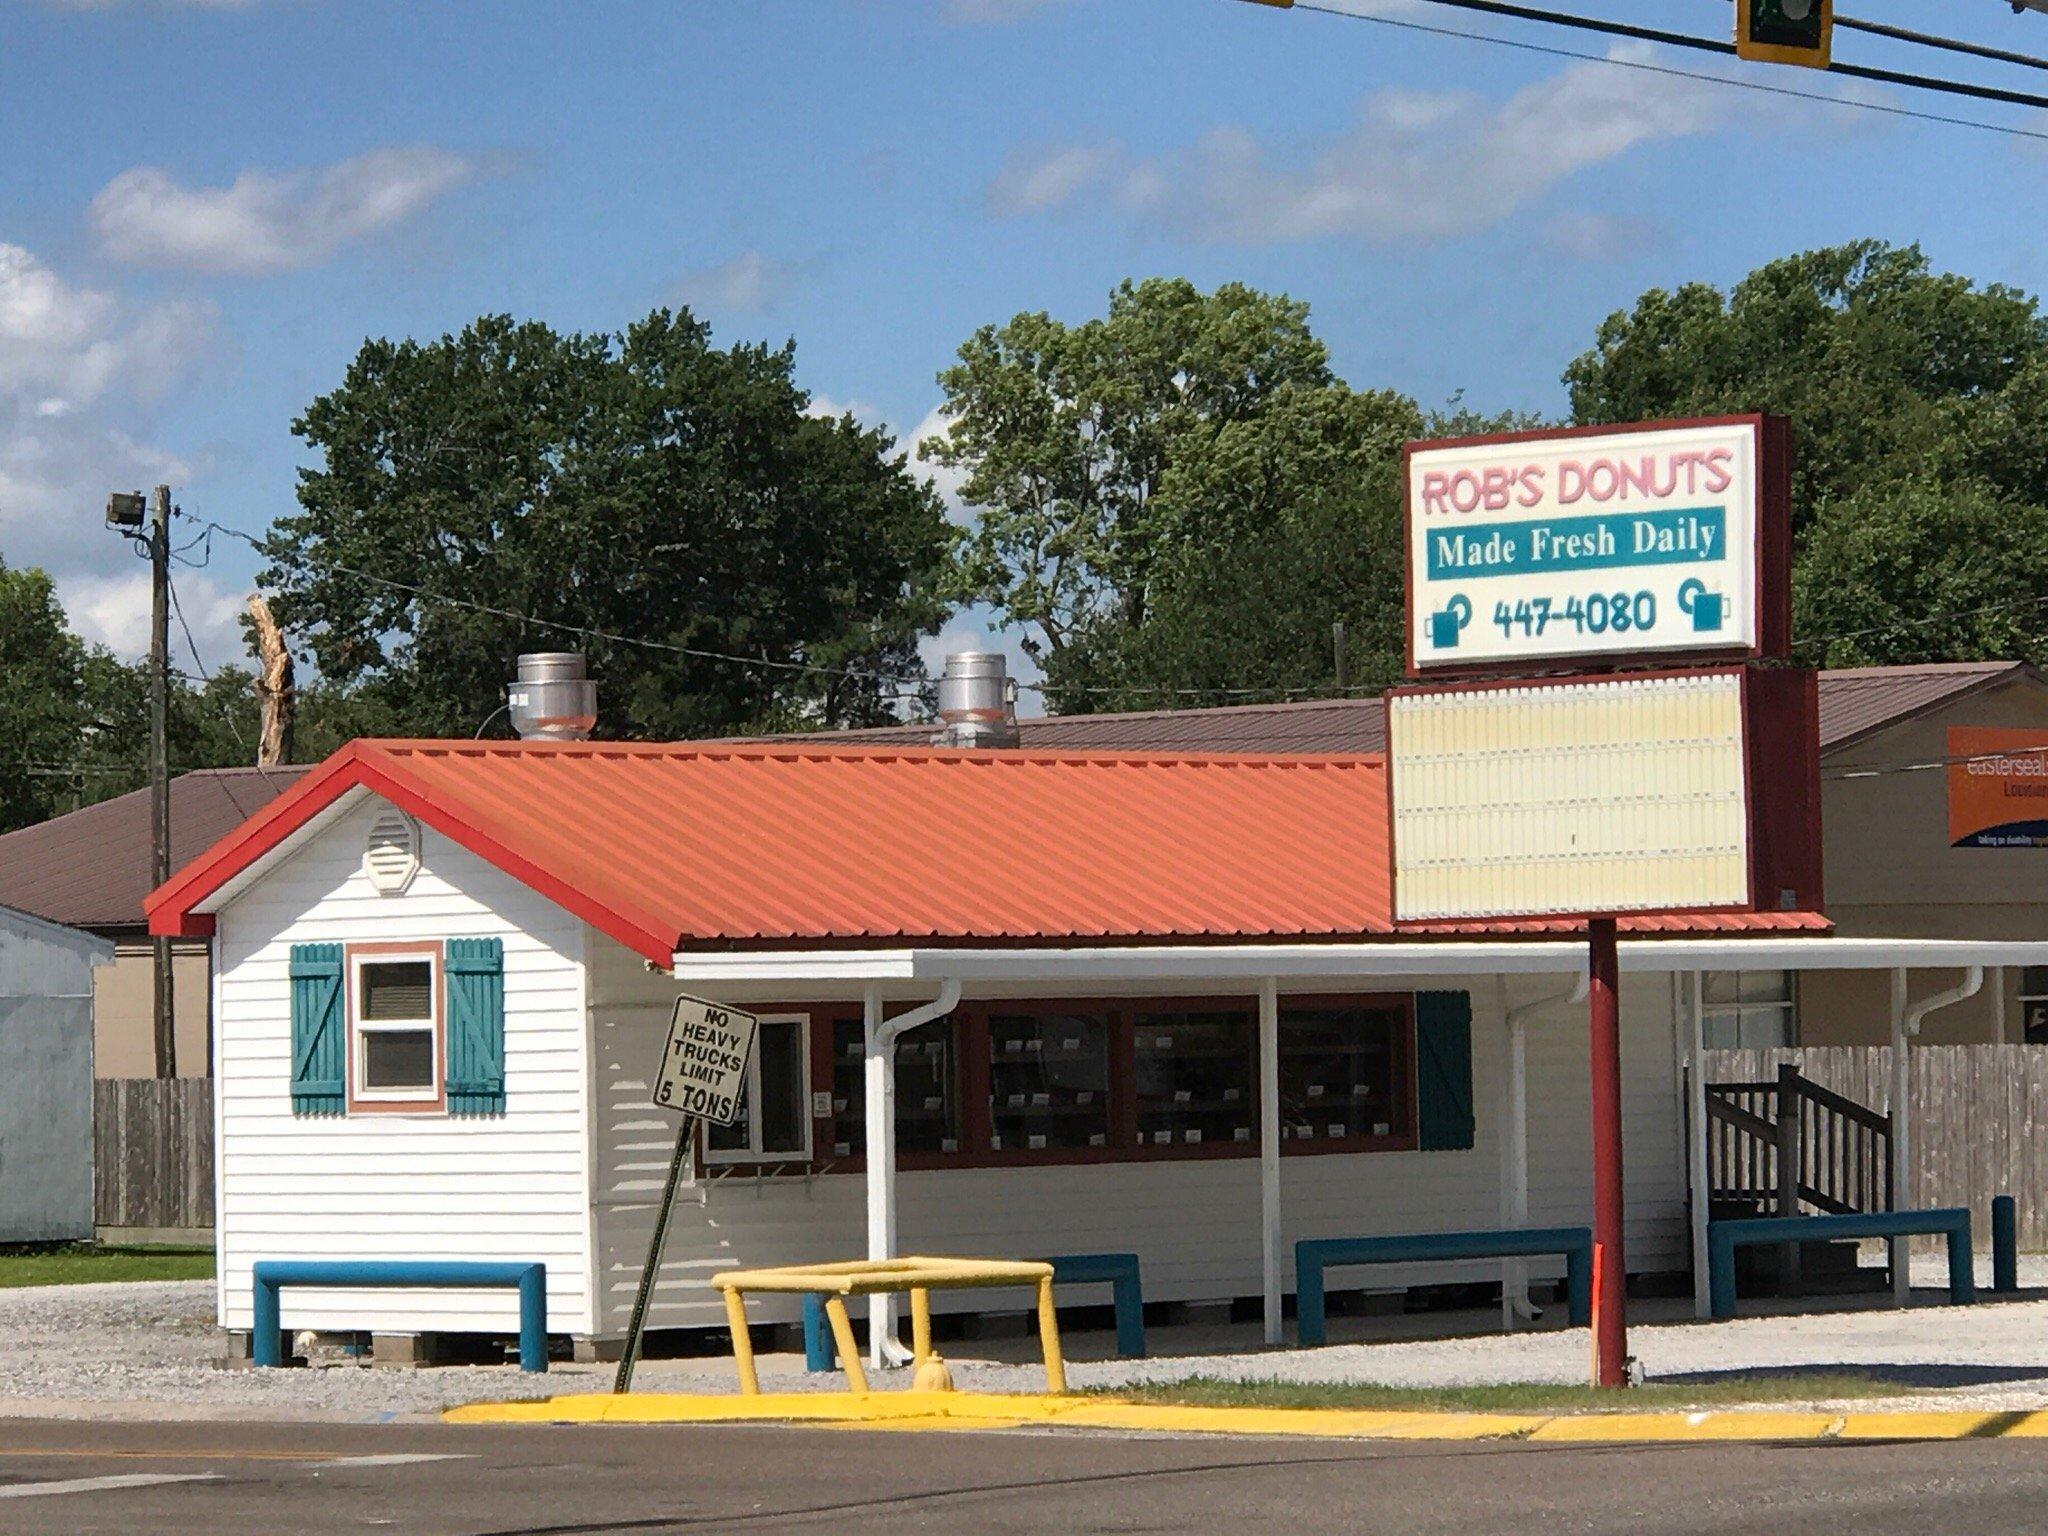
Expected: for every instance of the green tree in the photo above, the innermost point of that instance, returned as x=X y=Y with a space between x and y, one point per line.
x=1067 y=435
x=1890 y=371
x=1923 y=571
x=45 y=719
x=1276 y=526
x=644 y=485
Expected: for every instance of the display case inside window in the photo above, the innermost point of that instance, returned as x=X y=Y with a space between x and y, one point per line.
x=1048 y=1081
x=1344 y=1073
x=927 y=1090
x=774 y=1122
x=1196 y=1077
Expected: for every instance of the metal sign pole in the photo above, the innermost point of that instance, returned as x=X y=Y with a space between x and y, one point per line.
x=624 y=1380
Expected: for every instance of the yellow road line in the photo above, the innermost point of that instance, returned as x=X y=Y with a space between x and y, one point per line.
x=918 y=1411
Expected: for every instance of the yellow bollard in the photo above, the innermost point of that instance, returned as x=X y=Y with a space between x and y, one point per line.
x=1049 y=1339
x=742 y=1342
x=842 y=1335
x=921 y=1323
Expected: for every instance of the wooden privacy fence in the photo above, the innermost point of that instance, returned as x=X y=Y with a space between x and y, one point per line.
x=152 y=1160
x=1979 y=1119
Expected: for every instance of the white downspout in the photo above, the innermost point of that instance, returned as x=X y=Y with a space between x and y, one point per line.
x=1514 y=1149
x=879 y=1066
x=1906 y=1024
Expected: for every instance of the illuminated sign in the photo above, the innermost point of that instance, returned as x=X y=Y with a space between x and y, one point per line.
x=1540 y=549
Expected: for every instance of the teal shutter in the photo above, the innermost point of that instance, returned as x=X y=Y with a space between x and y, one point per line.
x=318 y=1031
x=476 y=1026
x=1443 y=1071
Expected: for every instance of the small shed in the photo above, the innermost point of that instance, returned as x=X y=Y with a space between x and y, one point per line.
x=46 y=1078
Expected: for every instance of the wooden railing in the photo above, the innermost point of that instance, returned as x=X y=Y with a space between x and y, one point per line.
x=1793 y=1144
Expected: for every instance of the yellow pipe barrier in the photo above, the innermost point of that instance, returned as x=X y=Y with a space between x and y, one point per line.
x=868 y=1277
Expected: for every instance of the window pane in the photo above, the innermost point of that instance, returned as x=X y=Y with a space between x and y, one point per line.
x=785 y=1085
x=1765 y=986
x=927 y=1103
x=398 y=1058
x=1048 y=1080
x=2034 y=1021
x=735 y=1137
x=1721 y=987
x=2034 y=981
x=1763 y=1029
x=397 y=989
x=1342 y=1073
x=1718 y=1032
x=1196 y=1077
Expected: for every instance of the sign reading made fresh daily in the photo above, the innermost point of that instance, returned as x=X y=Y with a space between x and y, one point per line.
x=1541 y=548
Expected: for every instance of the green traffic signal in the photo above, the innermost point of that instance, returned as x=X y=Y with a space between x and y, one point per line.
x=1785 y=31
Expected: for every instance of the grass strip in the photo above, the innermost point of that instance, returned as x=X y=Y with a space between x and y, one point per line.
x=90 y=1264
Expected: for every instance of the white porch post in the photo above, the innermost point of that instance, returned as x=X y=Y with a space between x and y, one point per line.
x=1901 y=1249
x=1696 y=1142
x=1269 y=1152
x=1514 y=1160
x=1997 y=974
x=879 y=1108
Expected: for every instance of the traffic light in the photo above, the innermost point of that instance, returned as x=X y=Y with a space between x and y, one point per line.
x=1785 y=31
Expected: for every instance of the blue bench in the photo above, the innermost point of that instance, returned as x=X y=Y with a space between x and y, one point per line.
x=1724 y=1237
x=1118 y=1270
x=272 y=1275
x=1314 y=1255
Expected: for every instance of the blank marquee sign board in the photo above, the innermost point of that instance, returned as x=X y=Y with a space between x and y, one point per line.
x=1602 y=741
x=703 y=1076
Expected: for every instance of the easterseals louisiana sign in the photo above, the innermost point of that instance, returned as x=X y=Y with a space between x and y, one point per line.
x=1997 y=787
x=703 y=1070
x=1541 y=548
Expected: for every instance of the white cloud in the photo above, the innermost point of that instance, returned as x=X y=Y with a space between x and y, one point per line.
x=80 y=370
x=113 y=610
x=943 y=478
x=271 y=221
x=1418 y=166
x=831 y=408
x=1034 y=183
x=1602 y=236
x=748 y=284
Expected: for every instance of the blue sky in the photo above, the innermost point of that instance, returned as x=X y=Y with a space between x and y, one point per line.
x=205 y=207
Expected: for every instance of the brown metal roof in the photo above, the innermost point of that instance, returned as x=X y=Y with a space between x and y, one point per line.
x=90 y=869
x=1854 y=702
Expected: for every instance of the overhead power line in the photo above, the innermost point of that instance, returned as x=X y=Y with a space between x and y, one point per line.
x=1670 y=71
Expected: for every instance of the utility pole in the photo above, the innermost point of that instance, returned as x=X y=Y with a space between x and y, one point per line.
x=159 y=760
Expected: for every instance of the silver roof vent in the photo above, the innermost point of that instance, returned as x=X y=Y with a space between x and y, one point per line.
x=552 y=699
x=977 y=702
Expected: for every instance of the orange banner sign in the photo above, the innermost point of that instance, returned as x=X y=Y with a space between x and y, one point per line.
x=1997 y=787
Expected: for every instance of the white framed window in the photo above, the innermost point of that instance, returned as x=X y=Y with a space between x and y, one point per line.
x=395 y=1037
x=774 y=1125
x=1747 y=1010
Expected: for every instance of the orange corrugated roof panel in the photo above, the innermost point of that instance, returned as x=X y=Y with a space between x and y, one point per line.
x=695 y=845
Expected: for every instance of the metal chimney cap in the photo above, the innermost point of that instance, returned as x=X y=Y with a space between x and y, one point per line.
x=552 y=699
x=977 y=701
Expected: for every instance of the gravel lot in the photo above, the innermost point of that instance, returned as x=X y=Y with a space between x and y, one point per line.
x=151 y=1350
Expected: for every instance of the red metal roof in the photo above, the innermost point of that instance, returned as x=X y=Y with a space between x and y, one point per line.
x=669 y=847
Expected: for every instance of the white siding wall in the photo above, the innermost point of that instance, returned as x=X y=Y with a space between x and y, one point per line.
x=1194 y=1225
x=402 y=1186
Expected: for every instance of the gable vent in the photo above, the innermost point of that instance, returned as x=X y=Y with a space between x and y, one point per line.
x=391 y=855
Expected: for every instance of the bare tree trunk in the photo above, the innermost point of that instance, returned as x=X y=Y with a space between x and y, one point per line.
x=276 y=687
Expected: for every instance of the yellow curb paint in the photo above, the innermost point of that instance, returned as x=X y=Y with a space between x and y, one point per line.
x=943 y=1411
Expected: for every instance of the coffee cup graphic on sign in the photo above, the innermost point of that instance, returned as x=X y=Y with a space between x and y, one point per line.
x=1708 y=609
x=1446 y=623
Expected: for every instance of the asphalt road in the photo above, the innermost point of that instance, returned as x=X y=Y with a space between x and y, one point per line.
x=274 y=1480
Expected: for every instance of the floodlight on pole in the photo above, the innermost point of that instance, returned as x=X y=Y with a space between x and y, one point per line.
x=126 y=510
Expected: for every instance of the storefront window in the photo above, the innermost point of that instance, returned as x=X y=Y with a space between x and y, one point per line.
x=1196 y=1077
x=1048 y=1081
x=927 y=1093
x=1344 y=1073
x=1747 y=1010
x=775 y=1110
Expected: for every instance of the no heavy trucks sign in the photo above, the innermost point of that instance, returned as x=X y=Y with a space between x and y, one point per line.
x=704 y=1070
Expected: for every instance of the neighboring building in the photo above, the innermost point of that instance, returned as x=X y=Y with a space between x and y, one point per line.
x=1889 y=870
x=91 y=869
x=46 y=1001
